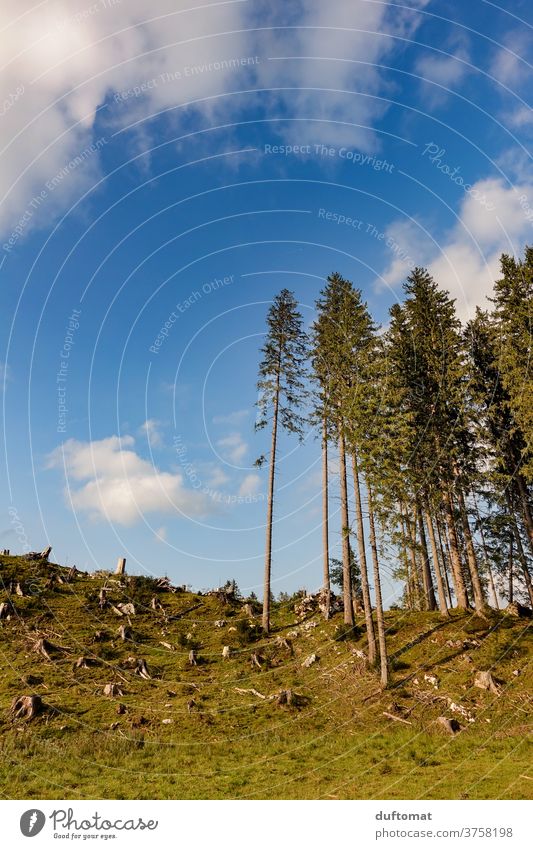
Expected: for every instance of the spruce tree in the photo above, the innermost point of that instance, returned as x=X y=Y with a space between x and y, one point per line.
x=282 y=391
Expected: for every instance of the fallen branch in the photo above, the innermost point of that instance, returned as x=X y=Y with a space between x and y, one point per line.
x=253 y=693
x=396 y=718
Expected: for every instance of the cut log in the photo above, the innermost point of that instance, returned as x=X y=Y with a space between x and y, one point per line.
x=26 y=707
x=485 y=681
x=252 y=691
x=126 y=608
x=396 y=718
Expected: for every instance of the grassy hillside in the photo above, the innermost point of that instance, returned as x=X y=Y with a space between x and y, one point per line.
x=195 y=731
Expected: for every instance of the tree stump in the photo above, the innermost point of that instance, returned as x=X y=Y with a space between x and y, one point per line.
x=26 y=707
x=45 y=553
x=485 y=681
x=112 y=690
x=226 y=652
x=285 y=697
x=6 y=609
x=193 y=661
x=42 y=647
x=121 y=566
x=125 y=633
x=451 y=726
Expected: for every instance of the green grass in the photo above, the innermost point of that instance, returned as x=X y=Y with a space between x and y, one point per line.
x=335 y=744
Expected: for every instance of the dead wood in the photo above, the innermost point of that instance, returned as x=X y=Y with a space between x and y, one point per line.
x=125 y=633
x=26 y=707
x=451 y=726
x=396 y=718
x=138 y=665
x=259 y=695
x=6 y=610
x=193 y=660
x=485 y=681
x=112 y=690
x=84 y=662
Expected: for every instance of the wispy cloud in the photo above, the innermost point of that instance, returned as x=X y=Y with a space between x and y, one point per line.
x=233 y=448
x=250 y=485
x=233 y=418
x=151 y=429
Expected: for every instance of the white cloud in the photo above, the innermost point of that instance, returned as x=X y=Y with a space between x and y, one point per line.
x=338 y=48
x=250 y=485
x=151 y=430
x=233 y=448
x=62 y=58
x=233 y=418
x=108 y=479
x=215 y=475
x=520 y=118
x=509 y=64
x=466 y=262
x=443 y=70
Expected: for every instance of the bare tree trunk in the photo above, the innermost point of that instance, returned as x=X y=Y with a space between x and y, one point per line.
x=427 y=583
x=457 y=574
x=526 y=507
x=415 y=572
x=403 y=548
x=477 y=589
x=270 y=511
x=520 y=549
x=486 y=557
x=445 y=558
x=443 y=607
x=511 y=588
x=383 y=659
x=370 y=635
x=345 y=530
x=325 y=521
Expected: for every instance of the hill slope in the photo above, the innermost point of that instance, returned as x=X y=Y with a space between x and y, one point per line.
x=223 y=728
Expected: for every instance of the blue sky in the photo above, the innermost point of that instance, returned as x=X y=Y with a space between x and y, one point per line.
x=165 y=170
